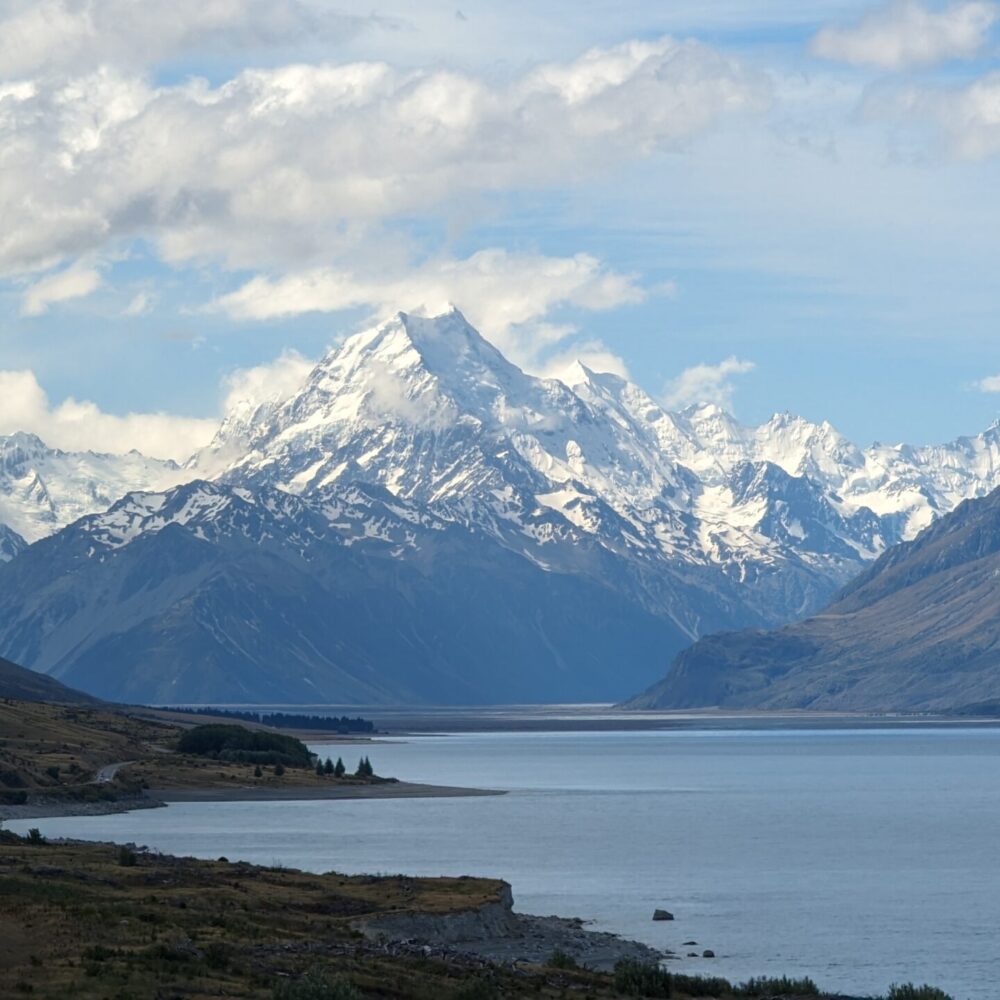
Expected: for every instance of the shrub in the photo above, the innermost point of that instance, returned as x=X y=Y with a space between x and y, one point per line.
x=242 y=745
x=34 y=836
x=316 y=985
x=702 y=986
x=53 y=772
x=638 y=979
x=127 y=858
x=477 y=989
x=560 y=960
x=907 y=991
x=768 y=986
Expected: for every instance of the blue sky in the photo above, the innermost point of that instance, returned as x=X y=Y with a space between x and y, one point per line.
x=773 y=205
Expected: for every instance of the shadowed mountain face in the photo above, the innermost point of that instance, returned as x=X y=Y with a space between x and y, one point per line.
x=26 y=685
x=919 y=630
x=216 y=593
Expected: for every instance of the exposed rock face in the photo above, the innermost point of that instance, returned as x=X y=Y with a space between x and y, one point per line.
x=918 y=631
x=496 y=932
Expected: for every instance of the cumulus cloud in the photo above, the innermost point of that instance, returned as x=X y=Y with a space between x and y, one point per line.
x=272 y=382
x=907 y=33
x=139 y=304
x=706 y=383
x=591 y=354
x=73 y=282
x=299 y=164
x=989 y=384
x=965 y=119
x=76 y=425
x=504 y=295
x=45 y=36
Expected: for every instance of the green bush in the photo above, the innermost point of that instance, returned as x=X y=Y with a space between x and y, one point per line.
x=34 y=836
x=127 y=858
x=316 y=985
x=702 y=986
x=236 y=743
x=477 y=989
x=770 y=986
x=638 y=979
x=907 y=991
x=560 y=960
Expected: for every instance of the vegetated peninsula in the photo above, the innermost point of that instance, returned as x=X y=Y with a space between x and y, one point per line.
x=917 y=632
x=66 y=758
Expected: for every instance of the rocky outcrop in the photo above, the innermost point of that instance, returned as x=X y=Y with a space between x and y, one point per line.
x=495 y=932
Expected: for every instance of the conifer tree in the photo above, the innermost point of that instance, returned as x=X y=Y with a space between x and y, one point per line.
x=328 y=766
x=339 y=770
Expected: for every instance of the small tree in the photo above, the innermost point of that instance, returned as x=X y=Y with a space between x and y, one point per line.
x=279 y=769
x=257 y=772
x=328 y=766
x=339 y=770
x=319 y=767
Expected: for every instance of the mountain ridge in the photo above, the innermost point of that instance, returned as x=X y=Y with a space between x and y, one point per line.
x=685 y=523
x=918 y=631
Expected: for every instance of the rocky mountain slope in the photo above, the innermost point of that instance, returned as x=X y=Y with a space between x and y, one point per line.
x=918 y=631
x=578 y=490
x=217 y=593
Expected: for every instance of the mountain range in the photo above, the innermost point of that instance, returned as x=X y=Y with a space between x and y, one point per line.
x=918 y=631
x=421 y=520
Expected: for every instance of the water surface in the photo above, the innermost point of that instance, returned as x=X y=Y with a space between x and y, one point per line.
x=860 y=858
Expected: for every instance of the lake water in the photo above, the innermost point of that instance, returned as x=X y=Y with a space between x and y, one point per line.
x=860 y=858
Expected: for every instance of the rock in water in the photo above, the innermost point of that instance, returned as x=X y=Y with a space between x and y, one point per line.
x=662 y=915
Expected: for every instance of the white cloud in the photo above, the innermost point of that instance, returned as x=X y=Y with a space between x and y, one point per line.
x=966 y=119
x=989 y=384
x=906 y=33
x=504 y=295
x=139 y=305
x=706 y=383
x=591 y=354
x=246 y=388
x=45 y=36
x=302 y=164
x=76 y=425
x=74 y=282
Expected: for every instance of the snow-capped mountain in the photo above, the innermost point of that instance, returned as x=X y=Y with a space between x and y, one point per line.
x=417 y=478
x=568 y=476
x=43 y=489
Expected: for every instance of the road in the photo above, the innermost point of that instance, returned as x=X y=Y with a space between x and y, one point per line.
x=108 y=772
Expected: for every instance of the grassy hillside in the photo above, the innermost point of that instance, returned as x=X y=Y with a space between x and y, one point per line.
x=55 y=752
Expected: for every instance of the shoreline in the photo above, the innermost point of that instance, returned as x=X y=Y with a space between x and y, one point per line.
x=156 y=798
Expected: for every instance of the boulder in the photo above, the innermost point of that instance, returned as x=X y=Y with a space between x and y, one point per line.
x=708 y=953
x=662 y=915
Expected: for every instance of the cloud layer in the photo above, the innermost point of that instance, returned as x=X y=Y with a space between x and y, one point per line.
x=299 y=164
x=502 y=294
x=906 y=33
x=80 y=425
x=706 y=383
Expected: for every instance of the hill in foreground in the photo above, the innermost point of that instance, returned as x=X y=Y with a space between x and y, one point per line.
x=918 y=631
x=26 y=685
